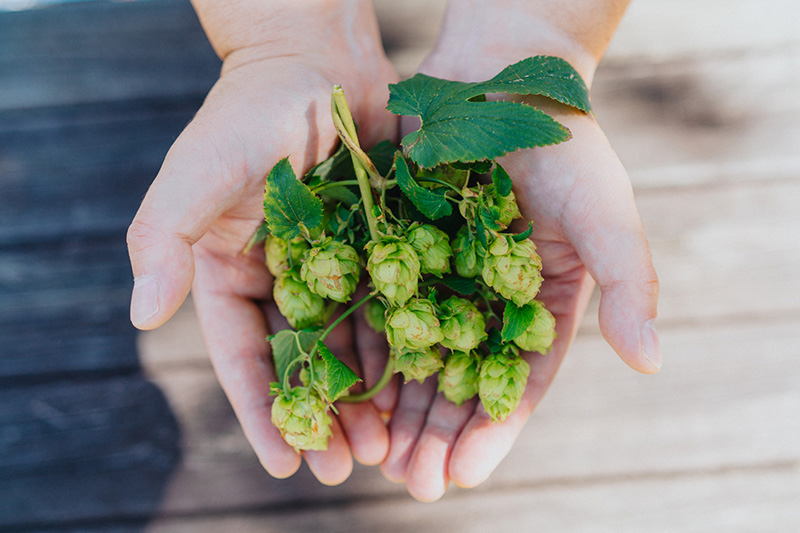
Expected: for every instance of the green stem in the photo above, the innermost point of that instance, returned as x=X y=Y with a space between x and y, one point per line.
x=441 y=182
x=329 y=184
x=343 y=121
x=368 y=394
x=339 y=320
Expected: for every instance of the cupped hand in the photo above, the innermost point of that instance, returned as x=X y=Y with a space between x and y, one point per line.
x=272 y=100
x=587 y=230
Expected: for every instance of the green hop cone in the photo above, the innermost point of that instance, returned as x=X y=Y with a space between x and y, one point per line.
x=502 y=381
x=513 y=269
x=301 y=307
x=463 y=325
x=541 y=333
x=375 y=315
x=468 y=254
x=277 y=253
x=507 y=208
x=417 y=365
x=433 y=249
x=414 y=326
x=458 y=380
x=331 y=270
x=394 y=268
x=302 y=418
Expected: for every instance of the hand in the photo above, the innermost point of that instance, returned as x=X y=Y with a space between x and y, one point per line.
x=272 y=100
x=587 y=228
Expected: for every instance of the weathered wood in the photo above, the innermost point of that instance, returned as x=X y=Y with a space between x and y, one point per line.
x=79 y=450
x=735 y=501
x=103 y=51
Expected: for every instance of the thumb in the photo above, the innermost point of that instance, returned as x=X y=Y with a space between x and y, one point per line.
x=190 y=192
x=607 y=233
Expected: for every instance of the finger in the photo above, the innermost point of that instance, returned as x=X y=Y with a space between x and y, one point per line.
x=374 y=355
x=483 y=444
x=405 y=426
x=365 y=431
x=235 y=331
x=427 y=474
x=193 y=188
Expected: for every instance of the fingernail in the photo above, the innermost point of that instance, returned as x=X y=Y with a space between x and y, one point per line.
x=144 y=300
x=651 y=347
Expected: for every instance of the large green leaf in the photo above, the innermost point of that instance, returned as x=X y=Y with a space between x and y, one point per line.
x=458 y=124
x=431 y=203
x=289 y=204
x=340 y=376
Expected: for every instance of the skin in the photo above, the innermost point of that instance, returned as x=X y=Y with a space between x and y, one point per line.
x=273 y=100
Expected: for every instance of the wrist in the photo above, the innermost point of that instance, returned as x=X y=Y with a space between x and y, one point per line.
x=285 y=27
x=479 y=38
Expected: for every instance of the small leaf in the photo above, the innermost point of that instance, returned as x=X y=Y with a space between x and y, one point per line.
x=494 y=341
x=456 y=125
x=480 y=230
x=502 y=181
x=461 y=285
x=516 y=320
x=340 y=193
x=340 y=376
x=260 y=235
x=525 y=234
x=488 y=216
x=288 y=203
x=285 y=351
x=431 y=203
x=338 y=164
x=382 y=156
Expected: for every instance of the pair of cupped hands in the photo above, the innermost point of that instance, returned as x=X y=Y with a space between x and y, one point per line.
x=273 y=100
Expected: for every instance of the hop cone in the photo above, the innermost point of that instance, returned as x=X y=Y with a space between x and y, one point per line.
x=302 y=418
x=513 y=269
x=394 y=268
x=541 y=333
x=433 y=249
x=417 y=364
x=277 y=253
x=331 y=270
x=507 y=208
x=468 y=254
x=503 y=377
x=458 y=380
x=413 y=327
x=463 y=326
x=375 y=315
x=301 y=307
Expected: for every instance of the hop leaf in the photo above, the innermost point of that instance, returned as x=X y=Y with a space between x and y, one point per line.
x=301 y=416
x=458 y=380
x=458 y=124
x=513 y=269
x=289 y=205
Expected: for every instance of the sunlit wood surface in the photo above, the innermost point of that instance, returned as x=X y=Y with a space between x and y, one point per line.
x=701 y=101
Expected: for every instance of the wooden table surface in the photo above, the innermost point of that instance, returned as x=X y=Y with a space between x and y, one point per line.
x=104 y=429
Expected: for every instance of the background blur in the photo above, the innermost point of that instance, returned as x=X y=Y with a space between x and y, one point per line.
x=102 y=429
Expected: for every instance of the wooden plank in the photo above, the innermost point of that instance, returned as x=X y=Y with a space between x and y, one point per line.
x=103 y=51
x=80 y=450
x=684 y=123
x=738 y=501
x=727 y=383
x=83 y=169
